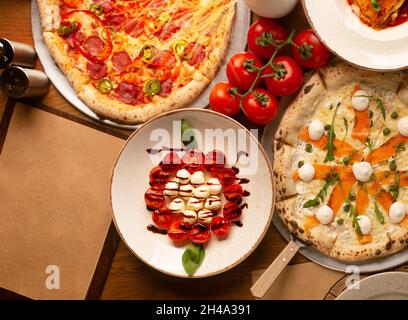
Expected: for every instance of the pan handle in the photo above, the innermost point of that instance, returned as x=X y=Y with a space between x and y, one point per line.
x=267 y=279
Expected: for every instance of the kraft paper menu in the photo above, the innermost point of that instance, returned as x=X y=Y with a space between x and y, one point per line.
x=54 y=204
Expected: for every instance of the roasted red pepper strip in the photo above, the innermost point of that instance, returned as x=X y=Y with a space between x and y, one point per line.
x=106 y=51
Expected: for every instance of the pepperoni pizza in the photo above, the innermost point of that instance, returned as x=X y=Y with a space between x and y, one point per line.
x=341 y=163
x=130 y=60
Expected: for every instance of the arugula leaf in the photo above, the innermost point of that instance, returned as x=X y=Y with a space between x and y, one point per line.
x=378 y=213
x=394 y=189
x=378 y=102
x=369 y=144
x=187 y=135
x=192 y=258
x=380 y=106
x=353 y=214
x=331 y=180
x=331 y=135
x=346 y=125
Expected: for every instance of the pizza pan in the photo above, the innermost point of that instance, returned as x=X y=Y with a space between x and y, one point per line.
x=237 y=43
x=311 y=253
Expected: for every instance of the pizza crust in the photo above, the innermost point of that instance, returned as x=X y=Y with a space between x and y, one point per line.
x=321 y=237
x=341 y=73
x=300 y=110
x=124 y=113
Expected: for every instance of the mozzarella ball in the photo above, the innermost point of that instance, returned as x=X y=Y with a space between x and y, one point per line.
x=213 y=203
x=402 y=126
x=365 y=224
x=362 y=171
x=183 y=176
x=360 y=100
x=171 y=189
x=177 y=205
x=186 y=190
x=205 y=216
x=324 y=214
x=397 y=212
x=202 y=192
x=214 y=185
x=306 y=172
x=194 y=204
x=316 y=130
x=197 y=178
x=189 y=216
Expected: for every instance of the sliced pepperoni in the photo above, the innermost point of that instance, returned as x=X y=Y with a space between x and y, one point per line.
x=195 y=53
x=120 y=60
x=107 y=5
x=165 y=87
x=134 y=27
x=96 y=70
x=75 y=39
x=114 y=18
x=178 y=20
x=129 y=93
x=93 y=45
x=165 y=59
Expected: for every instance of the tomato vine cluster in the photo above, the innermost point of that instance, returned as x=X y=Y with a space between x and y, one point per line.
x=257 y=78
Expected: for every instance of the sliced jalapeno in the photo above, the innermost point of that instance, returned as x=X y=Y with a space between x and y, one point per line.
x=96 y=8
x=179 y=47
x=105 y=86
x=147 y=53
x=152 y=87
x=66 y=28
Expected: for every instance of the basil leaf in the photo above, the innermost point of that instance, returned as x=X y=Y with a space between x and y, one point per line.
x=187 y=135
x=192 y=258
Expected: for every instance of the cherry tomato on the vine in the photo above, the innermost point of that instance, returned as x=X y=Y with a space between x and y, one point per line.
x=224 y=99
x=309 y=51
x=242 y=70
x=263 y=35
x=179 y=231
x=260 y=106
x=200 y=233
x=284 y=77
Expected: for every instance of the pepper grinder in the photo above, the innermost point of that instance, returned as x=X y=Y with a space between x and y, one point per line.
x=16 y=53
x=18 y=82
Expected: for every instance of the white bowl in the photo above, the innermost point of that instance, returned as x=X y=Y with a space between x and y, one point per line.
x=344 y=34
x=129 y=182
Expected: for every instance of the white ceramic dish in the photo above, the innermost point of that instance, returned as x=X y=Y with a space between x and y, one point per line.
x=237 y=43
x=130 y=180
x=382 y=286
x=344 y=34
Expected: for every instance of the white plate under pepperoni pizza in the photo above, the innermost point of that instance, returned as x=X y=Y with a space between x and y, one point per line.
x=132 y=60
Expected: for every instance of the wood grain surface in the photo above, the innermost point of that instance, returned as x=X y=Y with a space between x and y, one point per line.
x=128 y=277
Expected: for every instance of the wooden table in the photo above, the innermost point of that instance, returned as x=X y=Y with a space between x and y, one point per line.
x=129 y=278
